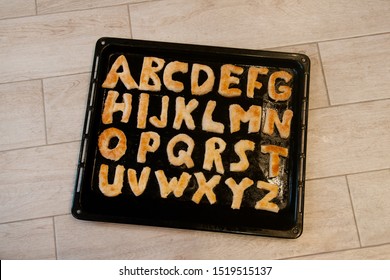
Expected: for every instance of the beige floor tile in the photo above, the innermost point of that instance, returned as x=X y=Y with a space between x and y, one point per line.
x=348 y=139
x=357 y=69
x=57 y=44
x=37 y=182
x=22 y=121
x=381 y=252
x=32 y=239
x=370 y=194
x=329 y=225
x=11 y=9
x=65 y=104
x=53 y=6
x=257 y=24
x=317 y=94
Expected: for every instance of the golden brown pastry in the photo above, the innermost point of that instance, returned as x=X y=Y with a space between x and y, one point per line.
x=205 y=188
x=174 y=185
x=207 y=85
x=143 y=108
x=274 y=153
x=265 y=203
x=115 y=188
x=207 y=121
x=183 y=157
x=138 y=186
x=125 y=76
x=162 y=122
x=104 y=141
x=227 y=79
x=183 y=113
x=253 y=73
x=170 y=69
x=283 y=93
x=149 y=73
x=111 y=106
x=240 y=148
x=272 y=120
x=238 y=190
x=149 y=142
x=213 y=149
x=238 y=115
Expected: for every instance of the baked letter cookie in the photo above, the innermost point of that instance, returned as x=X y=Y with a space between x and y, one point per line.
x=238 y=115
x=205 y=188
x=138 y=186
x=265 y=203
x=111 y=106
x=115 y=188
x=174 y=185
x=283 y=93
x=104 y=141
x=272 y=120
x=238 y=190
x=170 y=69
x=274 y=153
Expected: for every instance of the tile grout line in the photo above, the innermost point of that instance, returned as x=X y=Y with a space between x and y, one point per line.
x=55 y=237
x=337 y=251
x=44 y=112
x=36 y=7
x=354 y=37
x=45 y=78
x=75 y=10
x=40 y=146
x=36 y=218
x=128 y=14
x=327 y=40
x=353 y=210
x=346 y=174
x=323 y=74
x=350 y=104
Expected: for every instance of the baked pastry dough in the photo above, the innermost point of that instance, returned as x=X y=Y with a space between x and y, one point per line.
x=183 y=157
x=272 y=120
x=138 y=186
x=111 y=106
x=205 y=188
x=238 y=115
x=125 y=76
x=214 y=147
x=143 y=108
x=115 y=188
x=149 y=142
x=149 y=73
x=174 y=185
x=238 y=190
x=170 y=69
x=265 y=203
x=207 y=121
x=183 y=113
x=240 y=148
x=162 y=122
x=284 y=91
x=104 y=141
x=207 y=85
x=253 y=72
x=226 y=80
x=274 y=153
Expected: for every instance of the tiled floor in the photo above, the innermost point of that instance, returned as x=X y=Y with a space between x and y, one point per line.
x=46 y=50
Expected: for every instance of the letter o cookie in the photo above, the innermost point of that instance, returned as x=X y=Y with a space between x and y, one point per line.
x=104 y=141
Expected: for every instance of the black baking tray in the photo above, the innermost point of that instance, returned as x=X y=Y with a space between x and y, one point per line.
x=150 y=208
